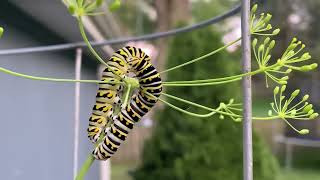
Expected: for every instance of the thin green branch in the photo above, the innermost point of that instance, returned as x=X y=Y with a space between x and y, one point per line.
x=52 y=79
x=198 y=105
x=266 y=118
x=85 y=167
x=187 y=112
x=202 y=84
x=201 y=57
x=126 y=95
x=218 y=80
x=85 y=38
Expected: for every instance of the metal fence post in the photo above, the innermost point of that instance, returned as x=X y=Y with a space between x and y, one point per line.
x=288 y=160
x=246 y=87
x=77 y=111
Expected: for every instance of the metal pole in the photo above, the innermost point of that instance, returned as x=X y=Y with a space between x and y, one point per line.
x=246 y=87
x=288 y=160
x=152 y=36
x=104 y=166
x=77 y=111
x=105 y=170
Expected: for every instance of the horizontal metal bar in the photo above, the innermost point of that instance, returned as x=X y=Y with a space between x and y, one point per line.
x=297 y=141
x=68 y=46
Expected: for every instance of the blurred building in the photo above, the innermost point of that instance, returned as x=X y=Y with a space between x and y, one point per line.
x=37 y=117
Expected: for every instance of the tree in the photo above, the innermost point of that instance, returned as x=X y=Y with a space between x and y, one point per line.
x=184 y=147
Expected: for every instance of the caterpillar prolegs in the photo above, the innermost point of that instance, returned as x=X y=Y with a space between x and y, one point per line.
x=126 y=60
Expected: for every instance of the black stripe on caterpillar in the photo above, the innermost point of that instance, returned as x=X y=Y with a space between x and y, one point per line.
x=140 y=103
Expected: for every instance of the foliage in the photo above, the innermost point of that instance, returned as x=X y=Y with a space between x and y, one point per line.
x=184 y=147
x=1 y=31
x=180 y=152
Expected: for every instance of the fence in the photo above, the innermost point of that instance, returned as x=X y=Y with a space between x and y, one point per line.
x=246 y=66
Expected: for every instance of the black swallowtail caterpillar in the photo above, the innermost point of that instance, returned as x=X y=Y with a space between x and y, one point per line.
x=125 y=60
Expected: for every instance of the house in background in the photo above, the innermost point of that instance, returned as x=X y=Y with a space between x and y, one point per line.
x=37 y=117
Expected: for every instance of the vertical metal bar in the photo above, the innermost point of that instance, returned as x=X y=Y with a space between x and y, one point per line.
x=104 y=166
x=288 y=160
x=77 y=111
x=246 y=88
x=105 y=170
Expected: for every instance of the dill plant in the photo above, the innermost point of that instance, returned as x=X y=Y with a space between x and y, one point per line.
x=277 y=71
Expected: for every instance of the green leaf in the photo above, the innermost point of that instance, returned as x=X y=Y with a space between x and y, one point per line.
x=295 y=93
x=254 y=8
x=71 y=9
x=115 y=5
x=314 y=115
x=307 y=108
x=304 y=131
x=99 y=2
x=276 y=90
x=276 y=31
x=1 y=31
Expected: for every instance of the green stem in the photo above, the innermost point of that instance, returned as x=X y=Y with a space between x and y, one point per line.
x=187 y=112
x=198 y=105
x=201 y=57
x=216 y=110
x=50 y=79
x=126 y=95
x=291 y=125
x=202 y=84
x=85 y=167
x=266 y=118
x=227 y=79
x=85 y=38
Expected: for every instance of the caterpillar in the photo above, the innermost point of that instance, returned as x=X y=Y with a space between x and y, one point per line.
x=124 y=61
x=106 y=99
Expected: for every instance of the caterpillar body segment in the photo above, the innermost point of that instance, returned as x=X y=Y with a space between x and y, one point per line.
x=107 y=97
x=140 y=103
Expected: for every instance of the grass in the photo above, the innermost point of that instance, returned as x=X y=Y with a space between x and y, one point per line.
x=120 y=172
x=299 y=174
x=261 y=106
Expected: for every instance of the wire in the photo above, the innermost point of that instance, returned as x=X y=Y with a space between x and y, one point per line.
x=157 y=35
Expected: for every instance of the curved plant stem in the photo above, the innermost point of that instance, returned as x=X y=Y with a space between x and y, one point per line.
x=211 y=109
x=266 y=118
x=202 y=84
x=214 y=81
x=51 y=79
x=196 y=105
x=187 y=112
x=201 y=57
x=85 y=38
